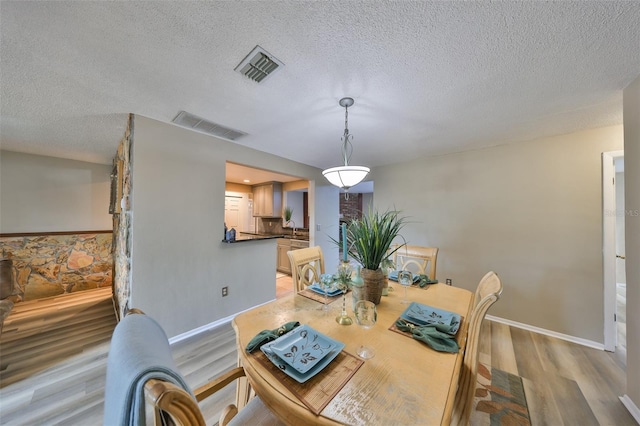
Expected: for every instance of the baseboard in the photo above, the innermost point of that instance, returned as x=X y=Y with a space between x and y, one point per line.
x=633 y=408
x=211 y=325
x=573 y=339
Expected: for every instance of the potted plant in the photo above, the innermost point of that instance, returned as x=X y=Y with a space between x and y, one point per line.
x=368 y=240
x=288 y=212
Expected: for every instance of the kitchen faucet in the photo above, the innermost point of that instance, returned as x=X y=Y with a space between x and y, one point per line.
x=294 y=227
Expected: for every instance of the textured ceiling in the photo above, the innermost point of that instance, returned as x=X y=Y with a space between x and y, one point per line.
x=428 y=78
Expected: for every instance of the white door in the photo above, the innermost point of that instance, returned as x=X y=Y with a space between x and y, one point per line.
x=621 y=276
x=232 y=212
x=613 y=218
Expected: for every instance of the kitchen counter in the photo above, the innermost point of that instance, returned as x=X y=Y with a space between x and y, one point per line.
x=249 y=236
x=243 y=237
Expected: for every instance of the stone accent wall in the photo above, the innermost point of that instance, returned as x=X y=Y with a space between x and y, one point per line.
x=122 y=225
x=50 y=265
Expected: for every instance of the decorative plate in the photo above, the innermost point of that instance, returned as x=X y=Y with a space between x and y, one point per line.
x=292 y=372
x=315 y=287
x=420 y=314
x=302 y=348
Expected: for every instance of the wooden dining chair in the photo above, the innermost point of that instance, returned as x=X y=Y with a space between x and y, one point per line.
x=143 y=385
x=417 y=259
x=306 y=266
x=488 y=292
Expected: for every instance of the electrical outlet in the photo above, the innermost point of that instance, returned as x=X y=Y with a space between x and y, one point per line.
x=317 y=227
x=225 y=291
x=449 y=282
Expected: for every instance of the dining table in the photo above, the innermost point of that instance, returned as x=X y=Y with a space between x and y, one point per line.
x=405 y=383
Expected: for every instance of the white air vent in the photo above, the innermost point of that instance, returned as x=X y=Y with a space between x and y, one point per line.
x=258 y=65
x=191 y=121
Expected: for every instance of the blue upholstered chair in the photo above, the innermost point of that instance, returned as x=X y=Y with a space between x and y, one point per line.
x=143 y=381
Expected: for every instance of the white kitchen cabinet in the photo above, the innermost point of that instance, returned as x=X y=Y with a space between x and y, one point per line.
x=267 y=200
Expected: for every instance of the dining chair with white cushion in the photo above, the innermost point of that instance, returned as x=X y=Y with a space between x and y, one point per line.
x=487 y=293
x=307 y=265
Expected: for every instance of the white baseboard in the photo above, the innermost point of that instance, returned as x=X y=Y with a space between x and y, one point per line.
x=201 y=329
x=633 y=408
x=206 y=327
x=573 y=339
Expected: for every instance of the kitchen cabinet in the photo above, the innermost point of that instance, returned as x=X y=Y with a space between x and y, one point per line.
x=284 y=266
x=283 y=246
x=267 y=200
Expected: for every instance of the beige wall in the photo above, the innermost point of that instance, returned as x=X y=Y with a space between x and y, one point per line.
x=179 y=264
x=47 y=194
x=531 y=211
x=632 y=240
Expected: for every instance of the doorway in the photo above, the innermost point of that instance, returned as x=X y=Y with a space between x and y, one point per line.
x=613 y=252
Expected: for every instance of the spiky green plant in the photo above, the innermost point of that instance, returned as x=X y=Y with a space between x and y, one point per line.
x=369 y=238
x=288 y=212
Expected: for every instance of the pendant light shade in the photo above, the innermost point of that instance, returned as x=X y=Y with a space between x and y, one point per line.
x=346 y=176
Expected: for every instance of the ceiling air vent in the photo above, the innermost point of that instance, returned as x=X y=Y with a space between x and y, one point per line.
x=194 y=122
x=258 y=65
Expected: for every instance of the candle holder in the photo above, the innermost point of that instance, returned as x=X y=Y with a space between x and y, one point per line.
x=343 y=280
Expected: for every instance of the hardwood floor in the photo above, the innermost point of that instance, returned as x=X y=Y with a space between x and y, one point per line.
x=565 y=383
x=42 y=333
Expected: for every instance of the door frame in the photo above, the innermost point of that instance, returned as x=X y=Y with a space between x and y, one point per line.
x=609 y=246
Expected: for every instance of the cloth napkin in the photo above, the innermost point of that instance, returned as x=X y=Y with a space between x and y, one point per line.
x=393 y=276
x=435 y=336
x=421 y=279
x=424 y=280
x=266 y=336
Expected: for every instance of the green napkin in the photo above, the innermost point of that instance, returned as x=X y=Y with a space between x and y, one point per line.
x=266 y=336
x=424 y=280
x=435 y=336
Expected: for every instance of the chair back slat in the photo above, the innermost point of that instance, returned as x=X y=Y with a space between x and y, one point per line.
x=417 y=259
x=307 y=265
x=487 y=293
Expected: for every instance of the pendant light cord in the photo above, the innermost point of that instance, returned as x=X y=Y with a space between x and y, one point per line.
x=347 y=147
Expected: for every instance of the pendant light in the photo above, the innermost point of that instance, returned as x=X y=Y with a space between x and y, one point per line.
x=346 y=176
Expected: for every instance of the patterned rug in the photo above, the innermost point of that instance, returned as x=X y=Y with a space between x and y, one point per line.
x=500 y=399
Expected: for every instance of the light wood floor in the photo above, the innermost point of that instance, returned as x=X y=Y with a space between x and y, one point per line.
x=566 y=384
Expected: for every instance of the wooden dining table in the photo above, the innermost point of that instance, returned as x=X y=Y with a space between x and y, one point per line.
x=405 y=383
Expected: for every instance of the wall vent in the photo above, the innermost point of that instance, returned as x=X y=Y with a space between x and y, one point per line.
x=258 y=65
x=194 y=122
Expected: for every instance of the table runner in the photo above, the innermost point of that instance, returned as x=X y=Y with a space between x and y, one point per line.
x=310 y=294
x=319 y=390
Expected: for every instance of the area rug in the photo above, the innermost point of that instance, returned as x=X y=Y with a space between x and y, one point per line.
x=500 y=399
